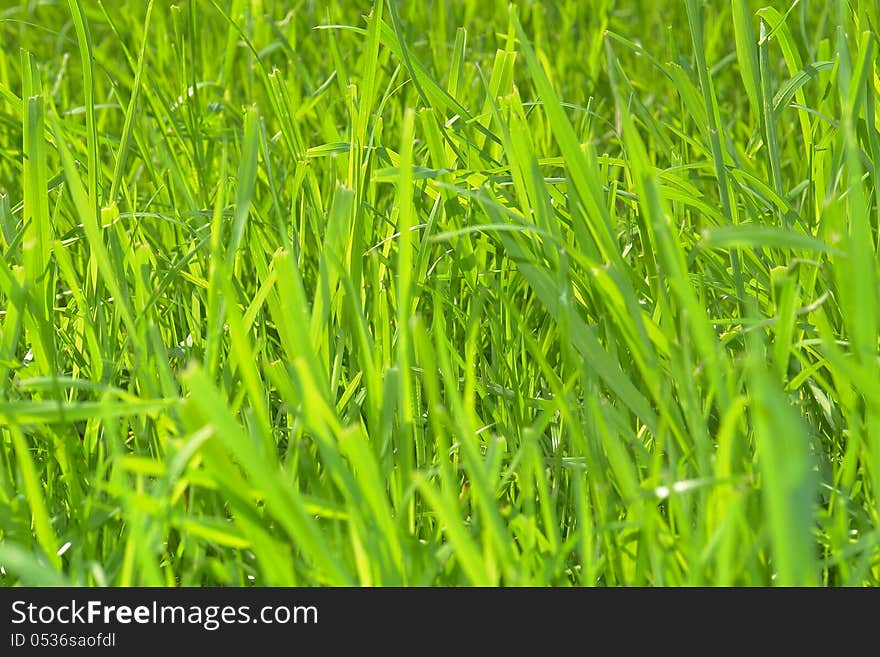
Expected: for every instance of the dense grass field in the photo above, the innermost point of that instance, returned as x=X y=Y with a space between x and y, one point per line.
x=441 y=293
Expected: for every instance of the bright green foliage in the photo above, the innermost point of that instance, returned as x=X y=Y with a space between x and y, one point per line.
x=439 y=293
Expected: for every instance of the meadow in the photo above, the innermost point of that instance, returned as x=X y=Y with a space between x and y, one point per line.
x=439 y=293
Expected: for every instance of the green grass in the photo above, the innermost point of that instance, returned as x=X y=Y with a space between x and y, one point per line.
x=445 y=293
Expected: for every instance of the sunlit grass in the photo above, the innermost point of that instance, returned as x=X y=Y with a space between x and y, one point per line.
x=445 y=293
